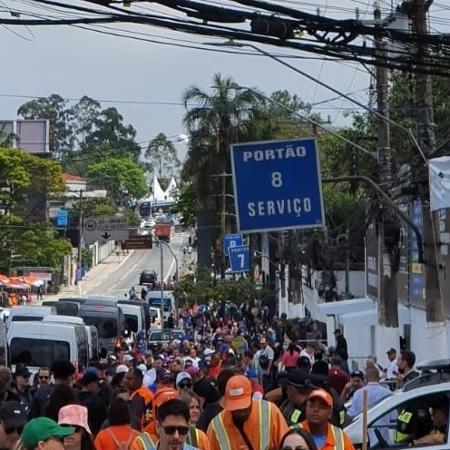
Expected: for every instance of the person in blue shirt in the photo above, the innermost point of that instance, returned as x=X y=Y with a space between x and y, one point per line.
x=375 y=393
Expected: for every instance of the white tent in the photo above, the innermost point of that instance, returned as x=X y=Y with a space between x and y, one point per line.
x=158 y=194
x=172 y=190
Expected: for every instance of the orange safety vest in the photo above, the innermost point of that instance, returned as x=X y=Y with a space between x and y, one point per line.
x=147 y=395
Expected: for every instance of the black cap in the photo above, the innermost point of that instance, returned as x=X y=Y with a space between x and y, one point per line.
x=22 y=371
x=357 y=373
x=297 y=378
x=318 y=381
x=303 y=361
x=391 y=350
x=207 y=390
x=13 y=414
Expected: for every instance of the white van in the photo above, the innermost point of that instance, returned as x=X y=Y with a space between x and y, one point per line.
x=134 y=317
x=29 y=313
x=39 y=344
x=154 y=299
x=91 y=331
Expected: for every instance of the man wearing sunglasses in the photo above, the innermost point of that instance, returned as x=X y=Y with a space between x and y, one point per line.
x=13 y=418
x=172 y=427
x=183 y=381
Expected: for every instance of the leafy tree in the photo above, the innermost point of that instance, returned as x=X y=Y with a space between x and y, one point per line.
x=39 y=246
x=19 y=172
x=56 y=110
x=162 y=156
x=187 y=207
x=109 y=132
x=215 y=123
x=122 y=177
x=21 y=242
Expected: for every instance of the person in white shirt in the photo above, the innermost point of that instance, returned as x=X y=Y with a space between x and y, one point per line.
x=309 y=351
x=391 y=370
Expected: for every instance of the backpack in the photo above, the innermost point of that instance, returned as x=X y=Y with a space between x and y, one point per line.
x=264 y=361
x=121 y=445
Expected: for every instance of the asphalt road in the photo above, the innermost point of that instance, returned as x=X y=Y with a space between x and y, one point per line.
x=126 y=275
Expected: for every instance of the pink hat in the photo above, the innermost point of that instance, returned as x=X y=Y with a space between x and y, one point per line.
x=192 y=371
x=74 y=415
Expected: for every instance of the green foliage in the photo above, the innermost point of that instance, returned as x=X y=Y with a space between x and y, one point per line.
x=84 y=132
x=121 y=177
x=162 y=156
x=19 y=172
x=56 y=110
x=203 y=289
x=86 y=257
x=187 y=207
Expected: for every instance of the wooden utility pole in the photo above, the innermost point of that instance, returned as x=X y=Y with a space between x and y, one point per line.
x=387 y=258
x=426 y=137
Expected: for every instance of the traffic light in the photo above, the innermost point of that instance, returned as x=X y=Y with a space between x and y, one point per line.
x=276 y=27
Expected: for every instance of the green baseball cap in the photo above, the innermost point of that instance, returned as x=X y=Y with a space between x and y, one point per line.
x=42 y=429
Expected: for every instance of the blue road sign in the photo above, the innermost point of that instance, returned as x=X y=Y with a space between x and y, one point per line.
x=239 y=258
x=61 y=220
x=277 y=185
x=231 y=240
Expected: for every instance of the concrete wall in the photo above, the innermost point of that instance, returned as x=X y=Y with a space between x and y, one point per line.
x=101 y=251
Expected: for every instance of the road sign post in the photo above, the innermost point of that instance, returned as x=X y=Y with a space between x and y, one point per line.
x=239 y=258
x=277 y=185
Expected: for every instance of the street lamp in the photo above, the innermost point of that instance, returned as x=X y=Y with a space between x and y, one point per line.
x=161 y=243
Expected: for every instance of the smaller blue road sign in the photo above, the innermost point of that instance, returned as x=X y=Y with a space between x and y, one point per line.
x=231 y=240
x=239 y=258
x=61 y=220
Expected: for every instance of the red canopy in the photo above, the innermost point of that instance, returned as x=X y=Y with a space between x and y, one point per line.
x=4 y=279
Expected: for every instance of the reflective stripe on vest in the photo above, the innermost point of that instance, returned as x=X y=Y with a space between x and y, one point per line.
x=221 y=434
x=338 y=435
x=264 y=424
x=295 y=416
x=402 y=424
x=147 y=441
x=192 y=437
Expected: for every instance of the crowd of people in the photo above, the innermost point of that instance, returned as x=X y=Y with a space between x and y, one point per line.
x=225 y=389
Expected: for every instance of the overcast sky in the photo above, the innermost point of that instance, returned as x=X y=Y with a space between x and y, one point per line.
x=74 y=62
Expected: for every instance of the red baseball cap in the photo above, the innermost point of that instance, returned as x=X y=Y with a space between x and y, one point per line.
x=323 y=395
x=238 y=393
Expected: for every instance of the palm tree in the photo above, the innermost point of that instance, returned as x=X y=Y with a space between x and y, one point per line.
x=214 y=123
x=219 y=116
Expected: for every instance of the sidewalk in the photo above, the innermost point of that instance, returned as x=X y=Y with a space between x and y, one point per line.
x=104 y=269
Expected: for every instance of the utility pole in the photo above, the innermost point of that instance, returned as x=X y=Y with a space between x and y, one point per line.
x=387 y=258
x=435 y=311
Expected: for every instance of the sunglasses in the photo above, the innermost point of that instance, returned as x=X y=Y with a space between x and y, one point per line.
x=43 y=377
x=171 y=429
x=298 y=447
x=77 y=427
x=185 y=385
x=10 y=430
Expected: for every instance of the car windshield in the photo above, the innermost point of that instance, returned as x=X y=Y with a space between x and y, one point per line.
x=106 y=326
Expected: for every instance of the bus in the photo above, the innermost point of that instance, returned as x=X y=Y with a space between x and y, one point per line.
x=145 y=209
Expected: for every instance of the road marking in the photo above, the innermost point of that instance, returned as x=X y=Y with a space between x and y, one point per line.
x=169 y=272
x=125 y=260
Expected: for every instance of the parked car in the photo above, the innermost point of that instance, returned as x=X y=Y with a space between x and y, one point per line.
x=164 y=336
x=424 y=392
x=148 y=276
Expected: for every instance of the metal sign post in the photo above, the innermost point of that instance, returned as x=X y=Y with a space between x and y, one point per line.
x=277 y=185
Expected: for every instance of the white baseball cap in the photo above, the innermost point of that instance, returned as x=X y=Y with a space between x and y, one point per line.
x=122 y=368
